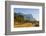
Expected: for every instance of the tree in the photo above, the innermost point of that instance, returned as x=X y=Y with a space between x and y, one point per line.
x=19 y=18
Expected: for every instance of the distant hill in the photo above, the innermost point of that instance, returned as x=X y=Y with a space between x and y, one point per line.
x=26 y=16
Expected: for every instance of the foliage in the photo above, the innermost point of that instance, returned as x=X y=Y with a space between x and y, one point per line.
x=19 y=18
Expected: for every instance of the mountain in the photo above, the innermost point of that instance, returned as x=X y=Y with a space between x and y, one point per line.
x=26 y=16
x=16 y=14
x=29 y=17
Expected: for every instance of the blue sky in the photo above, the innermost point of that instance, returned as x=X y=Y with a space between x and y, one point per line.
x=34 y=12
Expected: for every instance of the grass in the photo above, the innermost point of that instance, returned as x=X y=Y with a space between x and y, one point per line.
x=17 y=25
x=22 y=25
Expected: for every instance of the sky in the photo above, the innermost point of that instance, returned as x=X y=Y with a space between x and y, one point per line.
x=34 y=12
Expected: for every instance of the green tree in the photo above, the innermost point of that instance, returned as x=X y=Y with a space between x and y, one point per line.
x=20 y=18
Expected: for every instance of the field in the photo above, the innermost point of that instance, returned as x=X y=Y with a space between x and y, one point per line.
x=26 y=24
x=23 y=25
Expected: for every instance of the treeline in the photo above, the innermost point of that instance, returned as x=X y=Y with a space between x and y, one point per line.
x=20 y=18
